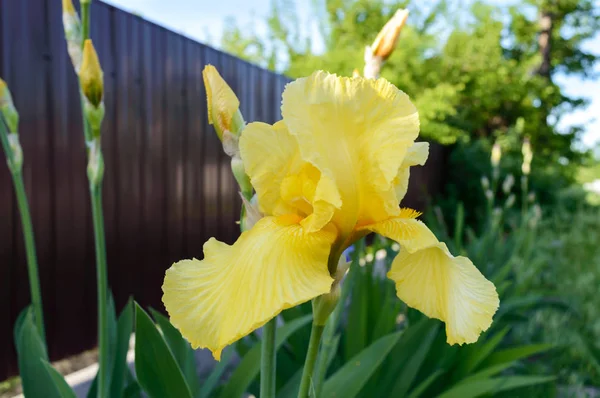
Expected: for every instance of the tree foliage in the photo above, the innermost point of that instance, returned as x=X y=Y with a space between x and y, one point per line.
x=472 y=71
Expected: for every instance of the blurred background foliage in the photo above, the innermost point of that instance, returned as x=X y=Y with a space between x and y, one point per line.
x=473 y=69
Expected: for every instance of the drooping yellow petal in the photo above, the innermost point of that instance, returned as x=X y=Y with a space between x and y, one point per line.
x=436 y=283
x=447 y=288
x=355 y=131
x=236 y=289
x=405 y=229
x=416 y=155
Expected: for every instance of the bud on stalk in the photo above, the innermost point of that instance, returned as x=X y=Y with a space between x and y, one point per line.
x=91 y=80
x=7 y=108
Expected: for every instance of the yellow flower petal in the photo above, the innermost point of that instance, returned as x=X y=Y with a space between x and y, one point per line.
x=410 y=233
x=237 y=289
x=447 y=288
x=355 y=131
x=270 y=154
x=416 y=155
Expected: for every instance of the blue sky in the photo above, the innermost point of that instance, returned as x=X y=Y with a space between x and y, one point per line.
x=204 y=20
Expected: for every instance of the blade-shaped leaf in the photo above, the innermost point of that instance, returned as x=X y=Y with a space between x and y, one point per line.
x=480 y=387
x=156 y=368
x=421 y=388
x=249 y=367
x=181 y=349
x=350 y=379
x=478 y=353
x=215 y=375
x=36 y=380
x=290 y=389
x=412 y=366
x=516 y=353
x=63 y=388
x=120 y=349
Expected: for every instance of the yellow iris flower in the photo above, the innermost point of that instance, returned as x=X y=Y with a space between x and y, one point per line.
x=333 y=170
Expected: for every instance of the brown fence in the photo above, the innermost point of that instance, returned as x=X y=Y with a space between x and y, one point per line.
x=168 y=185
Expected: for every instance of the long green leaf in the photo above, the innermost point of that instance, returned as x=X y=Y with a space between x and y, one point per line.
x=407 y=345
x=36 y=380
x=421 y=388
x=249 y=367
x=412 y=366
x=120 y=349
x=350 y=379
x=157 y=371
x=63 y=388
x=290 y=389
x=181 y=349
x=479 y=387
x=516 y=353
x=480 y=352
x=215 y=375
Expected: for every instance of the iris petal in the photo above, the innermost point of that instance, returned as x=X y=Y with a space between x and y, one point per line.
x=447 y=288
x=355 y=131
x=237 y=289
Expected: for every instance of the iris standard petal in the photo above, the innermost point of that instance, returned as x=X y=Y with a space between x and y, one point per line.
x=447 y=288
x=270 y=154
x=355 y=131
x=236 y=289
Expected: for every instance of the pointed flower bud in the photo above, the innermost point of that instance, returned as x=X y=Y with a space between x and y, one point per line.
x=91 y=75
x=496 y=155
x=223 y=105
x=485 y=183
x=73 y=34
x=386 y=40
x=510 y=201
x=7 y=108
x=527 y=157
x=508 y=183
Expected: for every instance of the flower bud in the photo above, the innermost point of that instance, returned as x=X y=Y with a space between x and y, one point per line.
x=531 y=197
x=485 y=183
x=239 y=172
x=91 y=76
x=489 y=194
x=223 y=105
x=73 y=34
x=496 y=155
x=7 y=108
x=508 y=183
x=510 y=201
x=386 y=40
x=527 y=157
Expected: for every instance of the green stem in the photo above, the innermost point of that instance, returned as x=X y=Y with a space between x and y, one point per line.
x=268 y=360
x=85 y=19
x=32 y=266
x=102 y=287
x=311 y=359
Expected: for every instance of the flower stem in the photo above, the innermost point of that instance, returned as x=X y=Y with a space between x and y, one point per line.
x=15 y=166
x=32 y=266
x=102 y=289
x=268 y=360
x=311 y=359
